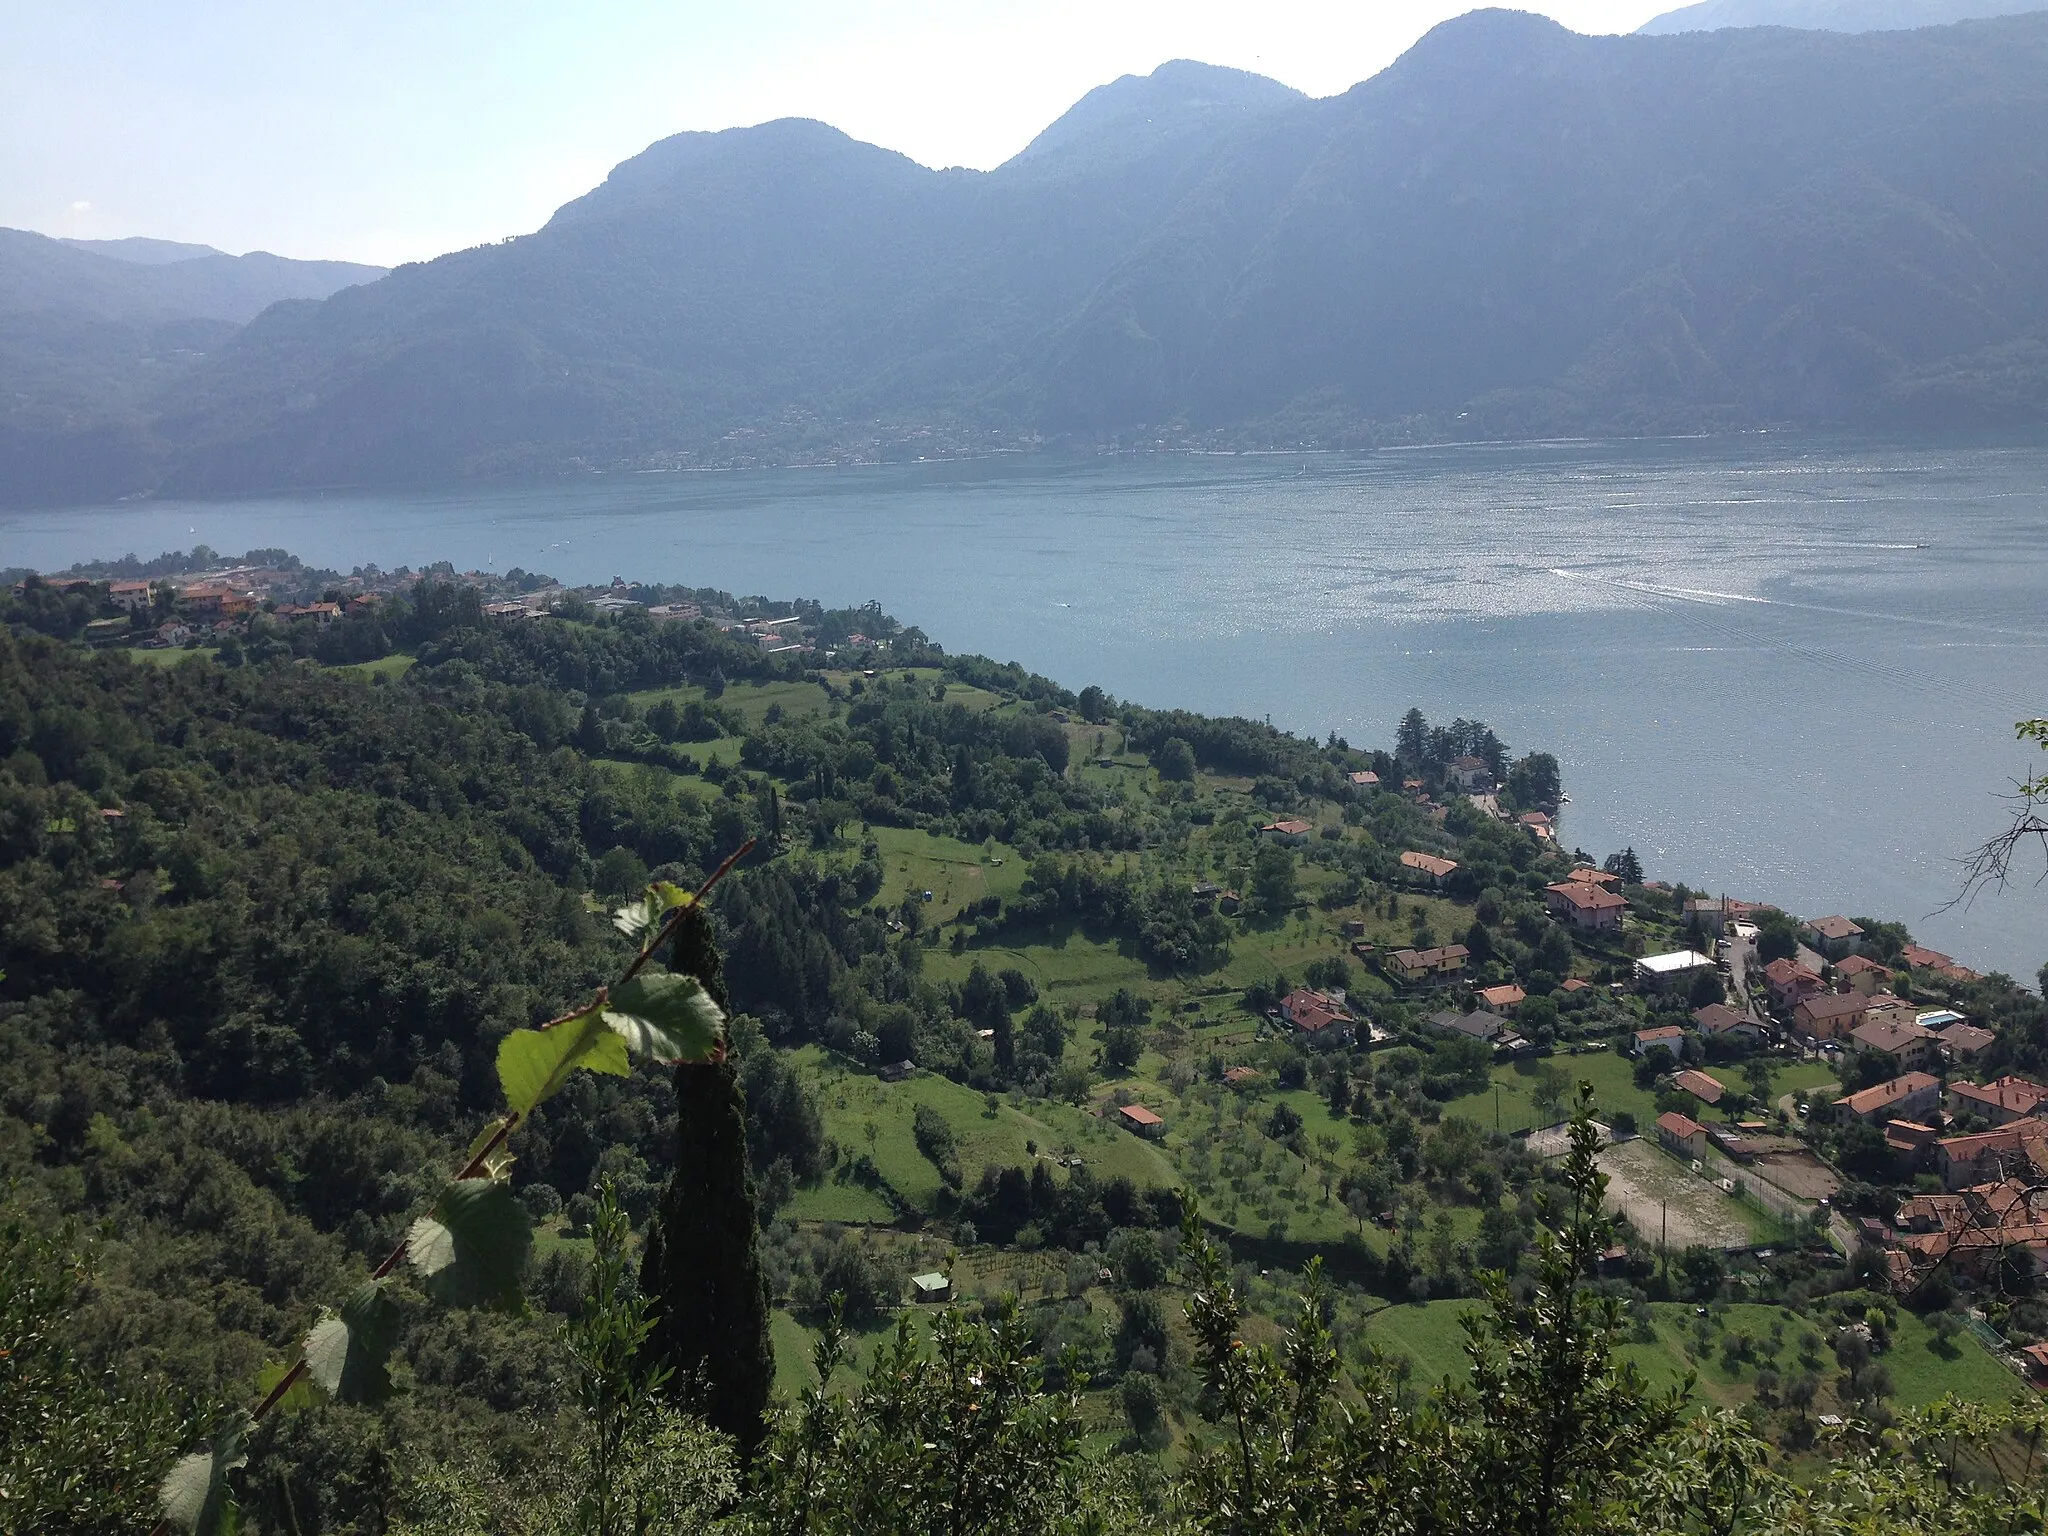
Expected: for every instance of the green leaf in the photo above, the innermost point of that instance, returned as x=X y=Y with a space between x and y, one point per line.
x=471 y=1249
x=346 y=1354
x=194 y=1494
x=670 y=1018
x=534 y=1063
x=500 y=1162
x=303 y=1393
x=640 y=920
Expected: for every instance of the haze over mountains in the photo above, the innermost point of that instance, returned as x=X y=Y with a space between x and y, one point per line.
x=1830 y=15
x=1512 y=230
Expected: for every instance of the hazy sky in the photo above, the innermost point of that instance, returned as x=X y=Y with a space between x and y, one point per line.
x=388 y=130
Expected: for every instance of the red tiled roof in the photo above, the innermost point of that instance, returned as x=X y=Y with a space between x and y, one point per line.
x=1967 y=1038
x=1294 y=826
x=1889 y=1035
x=1856 y=965
x=1574 y=984
x=1503 y=997
x=2012 y=1095
x=1682 y=1126
x=1718 y=1018
x=1706 y=1089
x=1593 y=876
x=1835 y=928
x=1587 y=897
x=1834 y=1005
x=1428 y=863
x=1138 y=1114
x=1886 y=1093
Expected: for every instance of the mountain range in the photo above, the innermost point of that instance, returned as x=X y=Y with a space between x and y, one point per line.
x=1830 y=15
x=1511 y=230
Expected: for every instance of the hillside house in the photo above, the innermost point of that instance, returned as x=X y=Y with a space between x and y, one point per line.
x=1828 y=1015
x=1586 y=874
x=1835 y=937
x=1291 y=830
x=1702 y=1086
x=1427 y=967
x=1668 y=1038
x=1789 y=984
x=1538 y=823
x=129 y=596
x=1587 y=907
x=1470 y=774
x=1365 y=778
x=1911 y=1048
x=1963 y=1040
x=1670 y=972
x=1903 y=1098
x=1682 y=1135
x=1427 y=867
x=1476 y=1025
x=1861 y=974
x=209 y=602
x=1717 y=1021
x=931 y=1287
x=2001 y=1102
x=1317 y=1014
x=1502 y=999
x=1140 y=1121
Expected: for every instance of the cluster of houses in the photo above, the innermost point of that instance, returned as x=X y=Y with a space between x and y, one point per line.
x=1992 y=1206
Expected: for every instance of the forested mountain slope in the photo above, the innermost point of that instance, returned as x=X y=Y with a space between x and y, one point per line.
x=1512 y=229
x=93 y=332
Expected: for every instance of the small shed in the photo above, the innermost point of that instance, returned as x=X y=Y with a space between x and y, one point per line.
x=896 y=1071
x=932 y=1287
x=1139 y=1119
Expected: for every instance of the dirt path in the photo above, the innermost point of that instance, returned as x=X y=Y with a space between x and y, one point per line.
x=1664 y=1199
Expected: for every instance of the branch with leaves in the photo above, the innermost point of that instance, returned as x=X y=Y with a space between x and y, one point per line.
x=471 y=1246
x=1991 y=863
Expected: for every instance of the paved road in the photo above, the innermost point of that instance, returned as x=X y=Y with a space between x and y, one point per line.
x=1741 y=953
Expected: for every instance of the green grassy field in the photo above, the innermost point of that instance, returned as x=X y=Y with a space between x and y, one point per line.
x=1613 y=1088
x=1809 y=1075
x=395 y=666
x=1430 y=1336
x=1068 y=968
x=854 y=1101
x=956 y=873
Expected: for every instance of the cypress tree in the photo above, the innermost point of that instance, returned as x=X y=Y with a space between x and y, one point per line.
x=702 y=1270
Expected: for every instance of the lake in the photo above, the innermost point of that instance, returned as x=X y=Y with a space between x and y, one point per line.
x=1779 y=667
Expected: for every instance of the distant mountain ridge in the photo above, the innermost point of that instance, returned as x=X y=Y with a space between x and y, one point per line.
x=1512 y=230
x=142 y=249
x=1831 y=15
